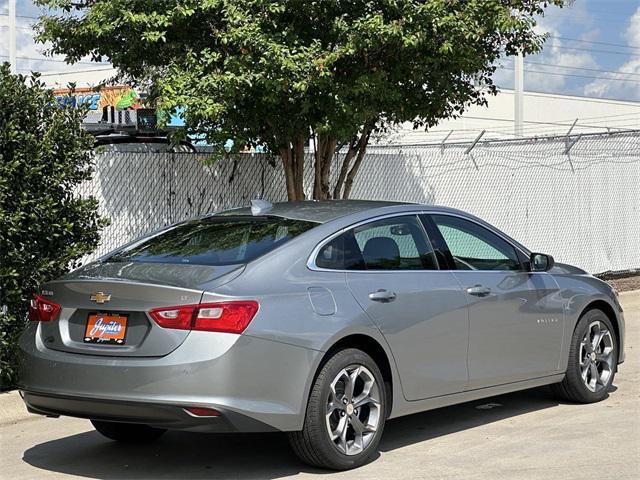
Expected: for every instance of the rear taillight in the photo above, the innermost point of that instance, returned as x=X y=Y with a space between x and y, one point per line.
x=229 y=317
x=43 y=310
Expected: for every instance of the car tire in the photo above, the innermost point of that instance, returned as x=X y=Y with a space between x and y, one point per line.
x=345 y=414
x=592 y=360
x=128 y=432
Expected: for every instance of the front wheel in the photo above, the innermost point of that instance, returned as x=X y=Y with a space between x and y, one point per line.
x=128 y=432
x=345 y=415
x=593 y=359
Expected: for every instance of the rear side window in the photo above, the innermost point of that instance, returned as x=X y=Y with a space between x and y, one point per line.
x=341 y=253
x=397 y=243
x=215 y=241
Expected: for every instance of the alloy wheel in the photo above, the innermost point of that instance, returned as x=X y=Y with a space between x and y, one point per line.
x=353 y=409
x=597 y=356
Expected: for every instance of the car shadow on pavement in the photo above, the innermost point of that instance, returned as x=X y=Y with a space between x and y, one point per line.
x=195 y=455
x=425 y=426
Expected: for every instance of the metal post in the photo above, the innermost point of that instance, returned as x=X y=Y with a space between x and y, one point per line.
x=444 y=141
x=518 y=99
x=571 y=128
x=568 y=144
x=12 y=36
x=470 y=147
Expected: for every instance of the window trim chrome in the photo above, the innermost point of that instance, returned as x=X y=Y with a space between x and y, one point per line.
x=311 y=261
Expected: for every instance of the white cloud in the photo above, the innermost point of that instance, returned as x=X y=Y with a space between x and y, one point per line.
x=624 y=85
x=632 y=34
x=554 y=54
x=595 y=89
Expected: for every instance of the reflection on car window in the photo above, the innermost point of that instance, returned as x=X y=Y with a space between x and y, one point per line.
x=474 y=247
x=397 y=243
x=215 y=241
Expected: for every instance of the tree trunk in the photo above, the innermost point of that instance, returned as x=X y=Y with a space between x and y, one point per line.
x=287 y=165
x=344 y=169
x=325 y=149
x=292 y=156
x=362 y=148
x=298 y=149
x=357 y=149
x=293 y=163
x=317 y=167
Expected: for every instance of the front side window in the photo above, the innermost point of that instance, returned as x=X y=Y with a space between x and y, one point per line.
x=473 y=247
x=215 y=241
x=397 y=243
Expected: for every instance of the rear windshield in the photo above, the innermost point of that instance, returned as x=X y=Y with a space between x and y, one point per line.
x=215 y=241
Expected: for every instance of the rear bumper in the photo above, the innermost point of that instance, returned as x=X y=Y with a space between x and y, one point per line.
x=257 y=384
x=160 y=416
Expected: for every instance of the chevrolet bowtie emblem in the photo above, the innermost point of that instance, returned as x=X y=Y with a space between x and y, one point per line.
x=100 y=297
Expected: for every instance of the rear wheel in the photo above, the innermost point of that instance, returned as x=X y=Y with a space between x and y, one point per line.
x=593 y=358
x=345 y=415
x=128 y=432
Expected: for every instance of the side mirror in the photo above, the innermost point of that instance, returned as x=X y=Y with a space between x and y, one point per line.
x=540 y=262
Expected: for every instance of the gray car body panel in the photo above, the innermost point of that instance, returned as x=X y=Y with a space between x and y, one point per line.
x=517 y=338
x=426 y=326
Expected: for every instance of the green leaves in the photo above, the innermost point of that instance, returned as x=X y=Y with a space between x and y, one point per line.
x=44 y=155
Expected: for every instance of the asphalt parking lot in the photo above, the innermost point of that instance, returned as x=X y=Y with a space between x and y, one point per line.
x=525 y=435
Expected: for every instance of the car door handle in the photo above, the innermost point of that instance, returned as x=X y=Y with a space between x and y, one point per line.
x=383 y=296
x=479 y=291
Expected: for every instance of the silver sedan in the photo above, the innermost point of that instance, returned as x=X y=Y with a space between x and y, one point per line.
x=319 y=319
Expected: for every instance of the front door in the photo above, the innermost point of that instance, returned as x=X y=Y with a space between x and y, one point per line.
x=419 y=309
x=515 y=316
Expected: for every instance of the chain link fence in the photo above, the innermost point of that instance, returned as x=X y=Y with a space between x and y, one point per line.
x=577 y=198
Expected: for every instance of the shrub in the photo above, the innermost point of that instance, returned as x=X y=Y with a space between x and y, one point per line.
x=44 y=226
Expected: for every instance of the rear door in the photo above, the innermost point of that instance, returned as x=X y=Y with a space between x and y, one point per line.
x=515 y=316
x=419 y=309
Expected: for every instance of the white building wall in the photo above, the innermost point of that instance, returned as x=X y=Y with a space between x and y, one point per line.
x=90 y=77
x=544 y=114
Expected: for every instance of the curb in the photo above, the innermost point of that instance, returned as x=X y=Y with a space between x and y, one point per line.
x=629 y=293
x=12 y=408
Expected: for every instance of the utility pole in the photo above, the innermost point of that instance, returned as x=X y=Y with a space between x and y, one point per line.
x=12 y=36
x=518 y=99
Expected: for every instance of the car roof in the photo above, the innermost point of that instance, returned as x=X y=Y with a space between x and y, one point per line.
x=323 y=211
x=320 y=211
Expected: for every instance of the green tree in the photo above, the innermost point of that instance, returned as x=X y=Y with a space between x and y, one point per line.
x=44 y=227
x=281 y=72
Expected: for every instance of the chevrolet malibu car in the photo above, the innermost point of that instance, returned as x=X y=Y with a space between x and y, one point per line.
x=320 y=319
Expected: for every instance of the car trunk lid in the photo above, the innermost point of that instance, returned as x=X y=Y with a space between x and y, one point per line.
x=109 y=293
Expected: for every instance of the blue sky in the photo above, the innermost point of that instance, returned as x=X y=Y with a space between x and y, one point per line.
x=594 y=50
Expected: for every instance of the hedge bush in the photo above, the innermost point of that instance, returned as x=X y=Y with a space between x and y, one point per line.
x=44 y=226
